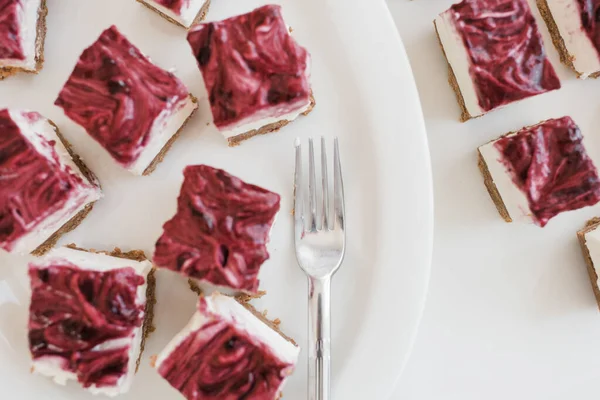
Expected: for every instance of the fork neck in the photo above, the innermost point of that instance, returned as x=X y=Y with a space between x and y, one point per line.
x=319 y=347
x=319 y=294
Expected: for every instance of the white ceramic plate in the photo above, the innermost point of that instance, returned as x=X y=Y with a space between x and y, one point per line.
x=365 y=95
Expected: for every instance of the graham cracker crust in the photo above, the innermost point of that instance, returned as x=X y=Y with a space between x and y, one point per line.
x=558 y=40
x=244 y=300
x=274 y=127
x=491 y=188
x=67 y=227
x=590 y=226
x=41 y=29
x=464 y=116
x=80 y=216
x=161 y=155
x=136 y=255
x=273 y=324
x=199 y=18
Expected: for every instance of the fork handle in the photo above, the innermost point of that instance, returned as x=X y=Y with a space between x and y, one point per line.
x=319 y=338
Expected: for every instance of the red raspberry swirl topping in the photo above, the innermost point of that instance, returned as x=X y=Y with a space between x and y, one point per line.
x=116 y=94
x=33 y=186
x=252 y=67
x=550 y=165
x=590 y=16
x=174 y=5
x=10 y=38
x=508 y=60
x=220 y=231
x=220 y=362
x=72 y=311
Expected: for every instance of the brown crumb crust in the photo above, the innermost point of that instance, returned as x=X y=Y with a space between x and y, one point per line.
x=67 y=227
x=5 y=72
x=557 y=39
x=80 y=216
x=590 y=226
x=136 y=255
x=199 y=18
x=244 y=299
x=491 y=188
x=161 y=155
x=273 y=324
x=274 y=127
x=464 y=116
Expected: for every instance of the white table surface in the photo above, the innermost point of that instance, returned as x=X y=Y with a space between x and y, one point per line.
x=510 y=312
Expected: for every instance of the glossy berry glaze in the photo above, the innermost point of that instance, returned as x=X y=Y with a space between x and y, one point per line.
x=33 y=186
x=10 y=37
x=220 y=231
x=252 y=67
x=174 y=5
x=507 y=57
x=73 y=310
x=116 y=94
x=551 y=167
x=590 y=19
x=220 y=362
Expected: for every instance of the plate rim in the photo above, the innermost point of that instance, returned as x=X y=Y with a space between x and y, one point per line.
x=395 y=360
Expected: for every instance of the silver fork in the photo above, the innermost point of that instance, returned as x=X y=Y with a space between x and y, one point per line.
x=320 y=239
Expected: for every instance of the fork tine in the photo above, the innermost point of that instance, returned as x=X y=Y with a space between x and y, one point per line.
x=338 y=188
x=325 y=182
x=312 y=188
x=298 y=192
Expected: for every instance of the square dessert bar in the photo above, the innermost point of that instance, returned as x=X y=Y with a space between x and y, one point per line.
x=228 y=351
x=180 y=12
x=219 y=234
x=256 y=75
x=131 y=107
x=540 y=171
x=45 y=189
x=495 y=54
x=589 y=240
x=89 y=316
x=22 y=36
x=573 y=27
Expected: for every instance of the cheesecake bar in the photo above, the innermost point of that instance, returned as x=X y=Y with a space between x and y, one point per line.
x=131 y=107
x=45 y=189
x=219 y=235
x=256 y=75
x=228 y=351
x=589 y=240
x=539 y=172
x=180 y=12
x=495 y=54
x=90 y=313
x=574 y=30
x=22 y=36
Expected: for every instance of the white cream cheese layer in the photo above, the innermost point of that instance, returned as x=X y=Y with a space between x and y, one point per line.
x=28 y=17
x=458 y=58
x=228 y=309
x=163 y=128
x=514 y=199
x=53 y=366
x=566 y=14
x=38 y=133
x=189 y=11
x=257 y=124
